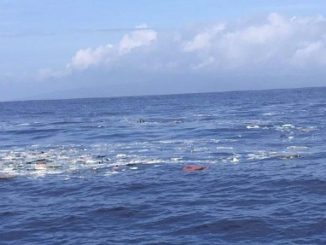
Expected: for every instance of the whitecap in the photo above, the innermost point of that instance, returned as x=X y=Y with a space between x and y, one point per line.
x=252 y=126
x=121 y=156
x=235 y=159
x=288 y=125
x=224 y=148
x=176 y=159
x=24 y=124
x=307 y=129
x=269 y=114
x=297 y=148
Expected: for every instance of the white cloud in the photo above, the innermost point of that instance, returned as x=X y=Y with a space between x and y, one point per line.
x=85 y=58
x=138 y=38
x=276 y=40
x=313 y=53
x=271 y=43
x=204 y=39
x=277 y=27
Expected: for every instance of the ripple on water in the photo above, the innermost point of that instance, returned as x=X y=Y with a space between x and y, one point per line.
x=111 y=170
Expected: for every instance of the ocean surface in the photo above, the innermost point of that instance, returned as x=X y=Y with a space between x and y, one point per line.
x=111 y=170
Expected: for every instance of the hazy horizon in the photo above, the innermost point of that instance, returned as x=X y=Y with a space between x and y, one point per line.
x=49 y=98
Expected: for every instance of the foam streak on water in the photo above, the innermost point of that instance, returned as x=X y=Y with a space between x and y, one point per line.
x=109 y=171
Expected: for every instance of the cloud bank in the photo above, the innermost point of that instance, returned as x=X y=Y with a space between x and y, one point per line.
x=278 y=40
x=275 y=47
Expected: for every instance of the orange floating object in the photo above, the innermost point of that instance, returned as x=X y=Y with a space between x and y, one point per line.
x=193 y=168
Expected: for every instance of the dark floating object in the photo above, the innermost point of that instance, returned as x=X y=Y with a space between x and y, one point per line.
x=131 y=164
x=41 y=161
x=100 y=156
x=289 y=157
x=141 y=120
x=193 y=168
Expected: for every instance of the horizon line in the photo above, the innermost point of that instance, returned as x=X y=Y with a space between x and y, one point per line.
x=153 y=95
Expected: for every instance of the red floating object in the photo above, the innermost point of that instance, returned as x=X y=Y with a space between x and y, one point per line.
x=193 y=168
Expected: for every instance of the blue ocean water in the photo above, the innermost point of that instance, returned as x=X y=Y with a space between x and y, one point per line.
x=110 y=170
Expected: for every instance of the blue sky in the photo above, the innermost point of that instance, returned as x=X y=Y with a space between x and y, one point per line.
x=95 y=48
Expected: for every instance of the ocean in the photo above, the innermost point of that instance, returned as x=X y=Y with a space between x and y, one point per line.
x=114 y=170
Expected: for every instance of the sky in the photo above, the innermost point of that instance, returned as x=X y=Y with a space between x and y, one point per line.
x=95 y=48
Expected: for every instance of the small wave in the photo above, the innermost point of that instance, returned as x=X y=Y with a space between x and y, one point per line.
x=118 y=212
x=252 y=226
x=297 y=148
x=263 y=155
x=307 y=129
x=33 y=131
